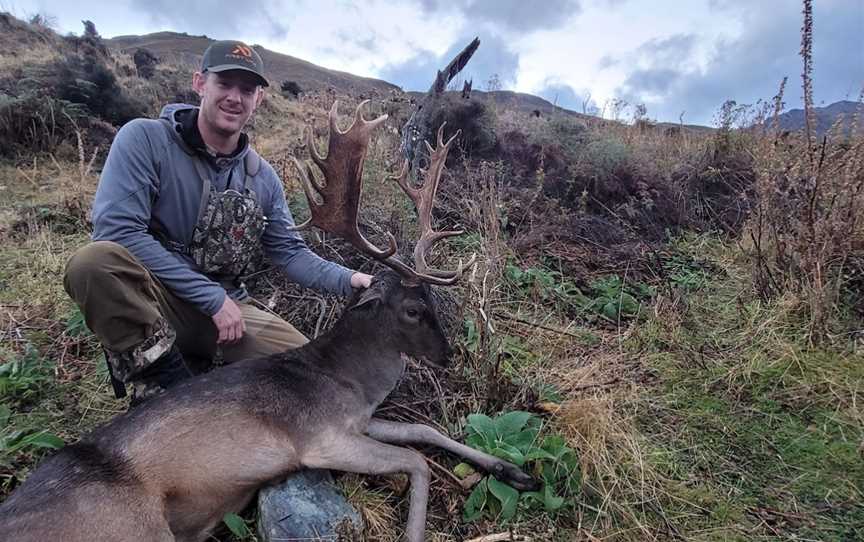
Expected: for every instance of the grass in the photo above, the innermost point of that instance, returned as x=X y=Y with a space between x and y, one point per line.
x=706 y=417
x=754 y=433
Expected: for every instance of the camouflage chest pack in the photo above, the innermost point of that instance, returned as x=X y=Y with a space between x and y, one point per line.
x=226 y=238
x=227 y=234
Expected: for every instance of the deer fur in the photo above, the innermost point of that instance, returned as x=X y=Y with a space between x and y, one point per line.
x=170 y=469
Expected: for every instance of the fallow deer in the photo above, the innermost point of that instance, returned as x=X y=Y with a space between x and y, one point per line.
x=170 y=469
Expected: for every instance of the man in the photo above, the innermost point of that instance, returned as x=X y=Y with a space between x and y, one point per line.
x=183 y=208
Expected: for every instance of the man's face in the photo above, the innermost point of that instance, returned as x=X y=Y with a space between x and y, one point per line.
x=228 y=99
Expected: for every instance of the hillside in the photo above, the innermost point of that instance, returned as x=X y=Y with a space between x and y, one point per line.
x=185 y=49
x=825 y=117
x=664 y=325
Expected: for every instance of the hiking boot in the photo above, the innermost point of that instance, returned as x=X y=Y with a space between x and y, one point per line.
x=161 y=375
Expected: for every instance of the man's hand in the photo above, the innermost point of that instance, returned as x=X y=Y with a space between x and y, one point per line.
x=361 y=280
x=229 y=322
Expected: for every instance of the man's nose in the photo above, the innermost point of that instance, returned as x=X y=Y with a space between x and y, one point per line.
x=233 y=94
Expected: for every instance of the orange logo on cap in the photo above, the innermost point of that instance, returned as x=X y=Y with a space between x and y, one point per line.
x=242 y=50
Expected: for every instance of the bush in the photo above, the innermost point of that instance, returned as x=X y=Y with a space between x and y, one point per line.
x=88 y=82
x=291 y=89
x=145 y=63
x=34 y=122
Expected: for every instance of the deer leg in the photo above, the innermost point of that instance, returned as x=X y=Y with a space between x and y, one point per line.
x=363 y=455
x=409 y=433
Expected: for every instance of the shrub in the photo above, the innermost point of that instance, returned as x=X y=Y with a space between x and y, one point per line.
x=34 y=122
x=806 y=232
x=88 y=82
x=291 y=89
x=145 y=63
x=515 y=437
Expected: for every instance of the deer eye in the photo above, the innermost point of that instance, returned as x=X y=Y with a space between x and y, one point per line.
x=412 y=313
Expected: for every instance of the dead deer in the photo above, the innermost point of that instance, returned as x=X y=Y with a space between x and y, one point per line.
x=173 y=467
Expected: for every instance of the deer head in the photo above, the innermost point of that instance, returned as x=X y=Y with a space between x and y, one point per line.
x=334 y=206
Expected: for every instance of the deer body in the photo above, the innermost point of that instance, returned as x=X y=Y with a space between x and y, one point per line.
x=173 y=467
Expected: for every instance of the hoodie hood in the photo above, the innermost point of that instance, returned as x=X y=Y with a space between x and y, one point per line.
x=183 y=118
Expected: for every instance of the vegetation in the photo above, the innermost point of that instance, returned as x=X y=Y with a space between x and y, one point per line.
x=665 y=326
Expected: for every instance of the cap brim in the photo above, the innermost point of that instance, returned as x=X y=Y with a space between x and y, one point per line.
x=229 y=67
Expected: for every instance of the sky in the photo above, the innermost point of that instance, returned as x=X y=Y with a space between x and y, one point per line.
x=680 y=58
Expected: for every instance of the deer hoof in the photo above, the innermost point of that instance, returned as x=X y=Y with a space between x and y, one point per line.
x=512 y=475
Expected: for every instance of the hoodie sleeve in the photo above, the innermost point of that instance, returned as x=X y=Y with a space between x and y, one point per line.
x=121 y=213
x=288 y=250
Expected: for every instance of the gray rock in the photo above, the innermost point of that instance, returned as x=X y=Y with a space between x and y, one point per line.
x=305 y=507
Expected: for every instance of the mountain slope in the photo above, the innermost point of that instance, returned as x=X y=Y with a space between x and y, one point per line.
x=826 y=116
x=185 y=49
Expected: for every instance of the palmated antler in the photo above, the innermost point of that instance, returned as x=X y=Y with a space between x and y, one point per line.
x=423 y=198
x=339 y=197
x=343 y=177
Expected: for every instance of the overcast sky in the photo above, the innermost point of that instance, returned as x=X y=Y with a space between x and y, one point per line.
x=675 y=56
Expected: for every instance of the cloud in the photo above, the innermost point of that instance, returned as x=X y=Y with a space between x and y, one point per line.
x=492 y=58
x=750 y=67
x=510 y=15
x=220 y=18
x=565 y=96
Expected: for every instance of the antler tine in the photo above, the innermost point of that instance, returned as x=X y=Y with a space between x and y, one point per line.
x=423 y=198
x=343 y=179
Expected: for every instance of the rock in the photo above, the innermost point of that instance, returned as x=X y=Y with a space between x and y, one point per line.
x=307 y=506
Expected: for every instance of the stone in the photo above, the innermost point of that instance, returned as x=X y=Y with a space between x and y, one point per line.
x=307 y=506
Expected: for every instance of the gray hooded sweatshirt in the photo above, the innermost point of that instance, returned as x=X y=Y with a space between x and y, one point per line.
x=150 y=176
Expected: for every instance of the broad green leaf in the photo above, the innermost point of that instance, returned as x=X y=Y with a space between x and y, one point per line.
x=483 y=425
x=610 y=310
x=42 y=439
x=628 y=304
x=476 y=502
x=463 y=470
x=551 y=501
x=511 y=422
x=236 y=525
x=523 y=440
x=510 y=453
x=538 y=453
x=506 y=495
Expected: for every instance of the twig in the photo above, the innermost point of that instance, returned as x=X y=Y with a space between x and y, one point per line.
x=507 y=316
x=584 y=387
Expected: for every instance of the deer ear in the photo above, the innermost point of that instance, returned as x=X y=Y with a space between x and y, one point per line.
x=372 y=293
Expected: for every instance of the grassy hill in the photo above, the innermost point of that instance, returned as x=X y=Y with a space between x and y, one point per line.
x=174 y=47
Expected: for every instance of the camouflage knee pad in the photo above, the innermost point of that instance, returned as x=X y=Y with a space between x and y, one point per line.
x=125 y=366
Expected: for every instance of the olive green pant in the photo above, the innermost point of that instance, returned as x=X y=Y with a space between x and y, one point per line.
x=121 y=301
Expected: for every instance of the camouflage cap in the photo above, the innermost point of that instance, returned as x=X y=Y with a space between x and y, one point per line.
x=233 y=55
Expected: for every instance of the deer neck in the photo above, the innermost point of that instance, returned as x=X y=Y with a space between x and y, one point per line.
x=356 y=351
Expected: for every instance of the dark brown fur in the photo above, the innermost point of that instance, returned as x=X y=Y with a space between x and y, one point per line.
x=171 y=468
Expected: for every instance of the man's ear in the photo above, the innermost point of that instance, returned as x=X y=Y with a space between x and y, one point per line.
x=260 y=97
x=198 y=80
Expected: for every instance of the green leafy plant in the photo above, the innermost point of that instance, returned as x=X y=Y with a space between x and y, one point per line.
x=614 y=300
x=472 y=335
x=543 y=284
x=75 y=324
x=237 y=526
x=23 y=376
x=685 y=273
x=14 y=441
x=515 y=437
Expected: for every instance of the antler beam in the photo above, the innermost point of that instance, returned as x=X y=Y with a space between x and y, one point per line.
x=343 y=176
x=334 y=205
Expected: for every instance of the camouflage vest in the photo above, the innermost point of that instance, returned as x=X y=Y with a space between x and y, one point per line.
x=226 y=239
